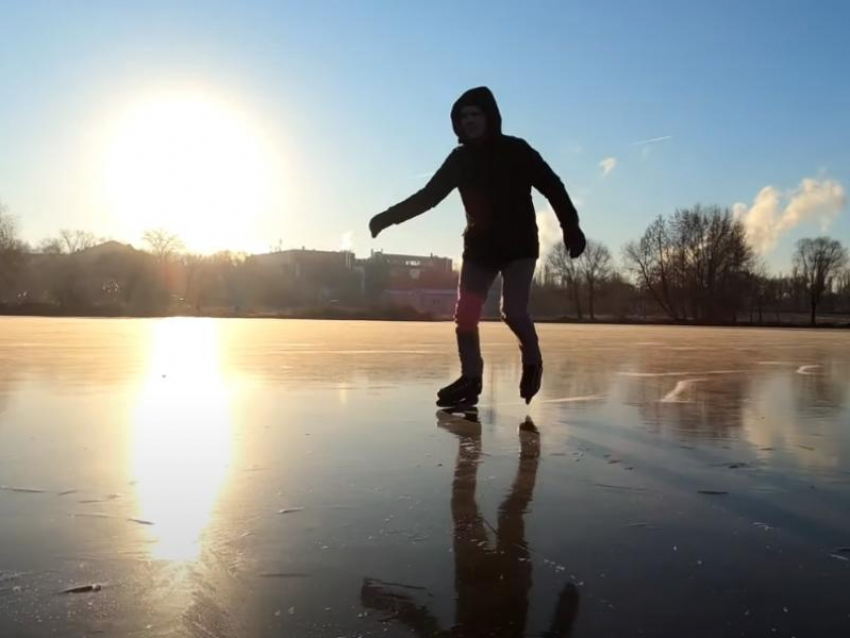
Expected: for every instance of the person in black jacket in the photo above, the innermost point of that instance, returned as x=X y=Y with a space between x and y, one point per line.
x=494 y=174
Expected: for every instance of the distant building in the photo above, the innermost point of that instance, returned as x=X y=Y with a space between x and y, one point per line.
x=415 y=272
x=426 y=284
x=303 y=263
x=315 y=276
x=109 y=247
x=302 y=277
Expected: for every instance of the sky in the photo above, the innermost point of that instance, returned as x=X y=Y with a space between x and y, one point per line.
x=254 y=125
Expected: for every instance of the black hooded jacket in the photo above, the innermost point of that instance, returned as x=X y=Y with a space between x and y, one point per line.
x=494 y=176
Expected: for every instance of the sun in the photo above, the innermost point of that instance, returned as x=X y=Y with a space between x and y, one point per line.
x=193 y=165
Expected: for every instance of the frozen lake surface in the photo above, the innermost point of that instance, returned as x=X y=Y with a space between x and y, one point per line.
x=230 y=478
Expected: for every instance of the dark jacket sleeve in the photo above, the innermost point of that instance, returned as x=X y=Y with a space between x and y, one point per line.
x=544 y=179
x=435 y=191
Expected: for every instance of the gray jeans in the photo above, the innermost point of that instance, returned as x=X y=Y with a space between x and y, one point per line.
x=475 y=282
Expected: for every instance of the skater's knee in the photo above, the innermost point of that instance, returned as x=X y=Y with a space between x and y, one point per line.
x=466 y=323
x=468 y=313
x=515 y=316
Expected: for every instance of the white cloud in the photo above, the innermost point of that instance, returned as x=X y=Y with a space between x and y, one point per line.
x=766 y=221
x=823 y=200
x=608 y=165
x=549 y=231
x=347 y=240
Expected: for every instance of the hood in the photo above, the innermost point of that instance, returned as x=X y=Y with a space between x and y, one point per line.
x=483 y=98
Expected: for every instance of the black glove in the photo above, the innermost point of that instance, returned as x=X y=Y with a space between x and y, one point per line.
x=575 y=241
x=379 y=222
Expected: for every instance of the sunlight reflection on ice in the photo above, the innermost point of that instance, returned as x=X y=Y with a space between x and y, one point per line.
x=182 y=436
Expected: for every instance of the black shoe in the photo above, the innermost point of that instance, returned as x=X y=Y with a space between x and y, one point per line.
x=532 y=374
x=463 y=392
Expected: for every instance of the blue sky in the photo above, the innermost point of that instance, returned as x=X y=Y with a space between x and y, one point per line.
x=350 y=103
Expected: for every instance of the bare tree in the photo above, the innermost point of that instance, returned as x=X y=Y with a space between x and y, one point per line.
x=760 y=290
x=73 y=241
x=8 y=229
x=568 y=272
x=843 y=288
x=50 y=246
x=714 y=258
x=12 y=250
x=694 y=265
x=651 y=260
x=595 y=266
x=163 y=244
x=817 y=261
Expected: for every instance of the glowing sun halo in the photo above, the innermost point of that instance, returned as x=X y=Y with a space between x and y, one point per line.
x=193 y=166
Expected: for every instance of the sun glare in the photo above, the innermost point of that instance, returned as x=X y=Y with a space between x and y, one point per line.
x=194 y=166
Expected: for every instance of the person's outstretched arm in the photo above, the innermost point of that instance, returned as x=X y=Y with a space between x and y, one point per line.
x=544 y=179
x=435 y=191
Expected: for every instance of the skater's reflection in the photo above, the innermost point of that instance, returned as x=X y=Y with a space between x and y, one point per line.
x=492 y=575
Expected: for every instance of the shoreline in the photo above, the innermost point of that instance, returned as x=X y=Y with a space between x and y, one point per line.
x=405 y=315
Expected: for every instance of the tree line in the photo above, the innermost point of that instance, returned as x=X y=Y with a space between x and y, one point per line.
x=693 y=266
x=697 y=266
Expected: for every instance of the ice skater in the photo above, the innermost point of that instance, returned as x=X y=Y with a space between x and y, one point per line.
x=494 y=174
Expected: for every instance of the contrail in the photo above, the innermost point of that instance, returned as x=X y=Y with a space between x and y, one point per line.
x=652 y=140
